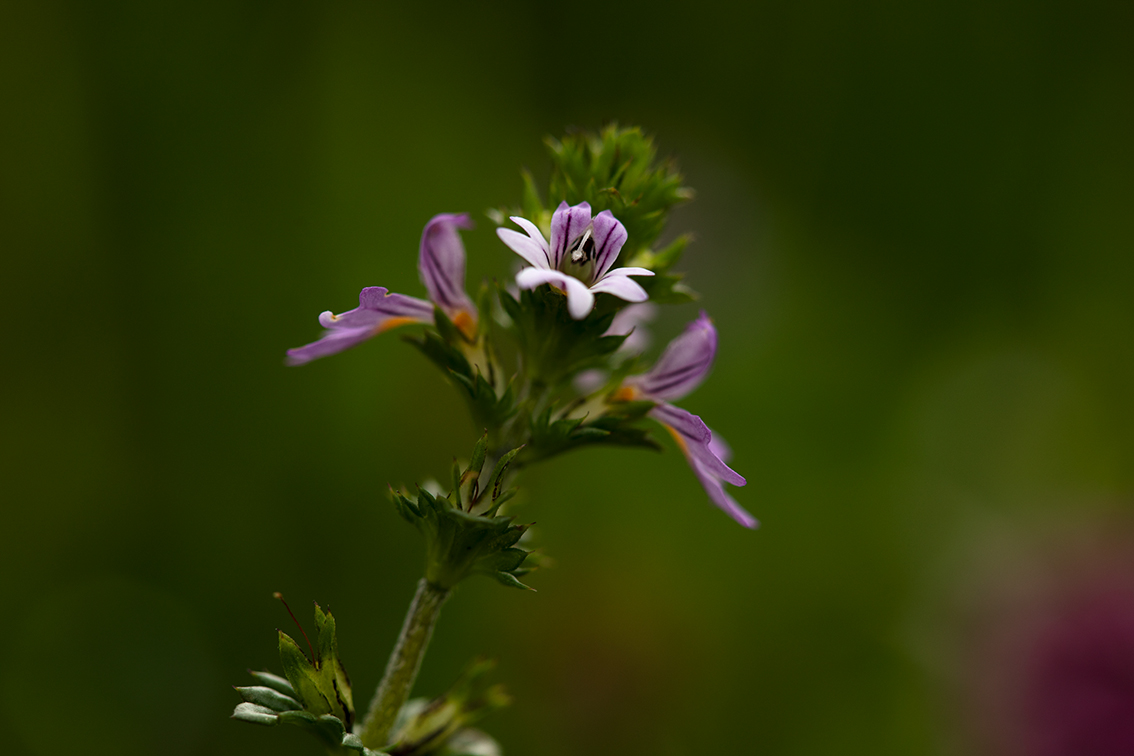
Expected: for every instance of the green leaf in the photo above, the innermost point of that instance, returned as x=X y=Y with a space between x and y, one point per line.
x=269 y=698
x=254 y=713
x=275 y=682
x=498 y=471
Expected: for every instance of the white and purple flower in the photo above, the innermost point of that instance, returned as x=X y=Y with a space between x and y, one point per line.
x=682 y=367
x=579 y=258
x=441 y=262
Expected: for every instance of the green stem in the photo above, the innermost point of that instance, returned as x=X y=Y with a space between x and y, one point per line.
x=405 y=661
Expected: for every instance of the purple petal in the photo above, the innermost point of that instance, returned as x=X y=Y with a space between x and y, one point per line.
x=719 y=447
x=714 y=465
x=442 y=263
x=376 y=305
x=621 y=287
x=377 y=311
x=720 y=497
x=710 y=470
x=690 y=427
x=332 y=342
x=610 y=235
x=525 y=247
x=696 y=441
x=579 y=298
x=683 y=364
x=567 y=224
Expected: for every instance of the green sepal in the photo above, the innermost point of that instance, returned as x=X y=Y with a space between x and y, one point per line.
x=555 y=345
x=496 y=479
x=617 y=170
x=616 y=427
x=664 y=258
x=488 y=409
x=303 y=676
x=459 y=544
x=667 y=288
x=334 y=680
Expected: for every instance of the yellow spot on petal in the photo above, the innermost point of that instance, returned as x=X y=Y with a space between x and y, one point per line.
x=387 y=325
x=625 y=394
x=466 y=323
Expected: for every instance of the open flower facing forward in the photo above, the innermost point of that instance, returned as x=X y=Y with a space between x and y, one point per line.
x=682 y=367
x=579 y=258
x=441 y=262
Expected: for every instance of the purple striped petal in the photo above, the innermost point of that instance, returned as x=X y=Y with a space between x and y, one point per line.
x=610 y=235
x=683 y=364
x=697 y=445
x=377 y=311
x=579 y=298
x=714 y=465
x=689 y=426
x=442 y=263
x=567 y=225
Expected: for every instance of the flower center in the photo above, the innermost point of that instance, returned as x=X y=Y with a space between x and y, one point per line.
x=579 y=261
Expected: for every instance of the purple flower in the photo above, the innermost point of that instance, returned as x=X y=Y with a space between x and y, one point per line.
x=683 y=365
x=578 y=259
x=441 y=263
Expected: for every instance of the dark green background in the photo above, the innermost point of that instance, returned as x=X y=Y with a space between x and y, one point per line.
x=914 y=227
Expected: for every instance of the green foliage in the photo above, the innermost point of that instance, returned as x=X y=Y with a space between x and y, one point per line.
x=424 y=727
x=554 y=345
x=450 y=350
x=315 y=695
x=617 y=170
x=460 y=543
x=615 y=427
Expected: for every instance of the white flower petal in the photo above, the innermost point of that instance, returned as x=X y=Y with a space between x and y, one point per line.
x=524 y=246
x=621 y=287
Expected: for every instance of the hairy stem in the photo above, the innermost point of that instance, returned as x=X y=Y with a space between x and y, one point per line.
x=405 y=661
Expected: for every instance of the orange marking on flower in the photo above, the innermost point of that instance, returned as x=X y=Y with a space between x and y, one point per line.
x=394 y=323
x=466 y=323
x=625 y=394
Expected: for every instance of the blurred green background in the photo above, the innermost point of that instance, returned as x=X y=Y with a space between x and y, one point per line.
x=914 y=227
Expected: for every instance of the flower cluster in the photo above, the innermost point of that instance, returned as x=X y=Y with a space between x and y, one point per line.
x=567 y=336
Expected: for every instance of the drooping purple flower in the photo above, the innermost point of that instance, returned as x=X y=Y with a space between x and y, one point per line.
x=682 y=367
x=441 y=262
x=578 y=259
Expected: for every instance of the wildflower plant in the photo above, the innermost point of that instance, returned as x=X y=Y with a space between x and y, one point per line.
x=548 y=363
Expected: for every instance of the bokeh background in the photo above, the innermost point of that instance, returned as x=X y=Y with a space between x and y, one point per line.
x=914 y=226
